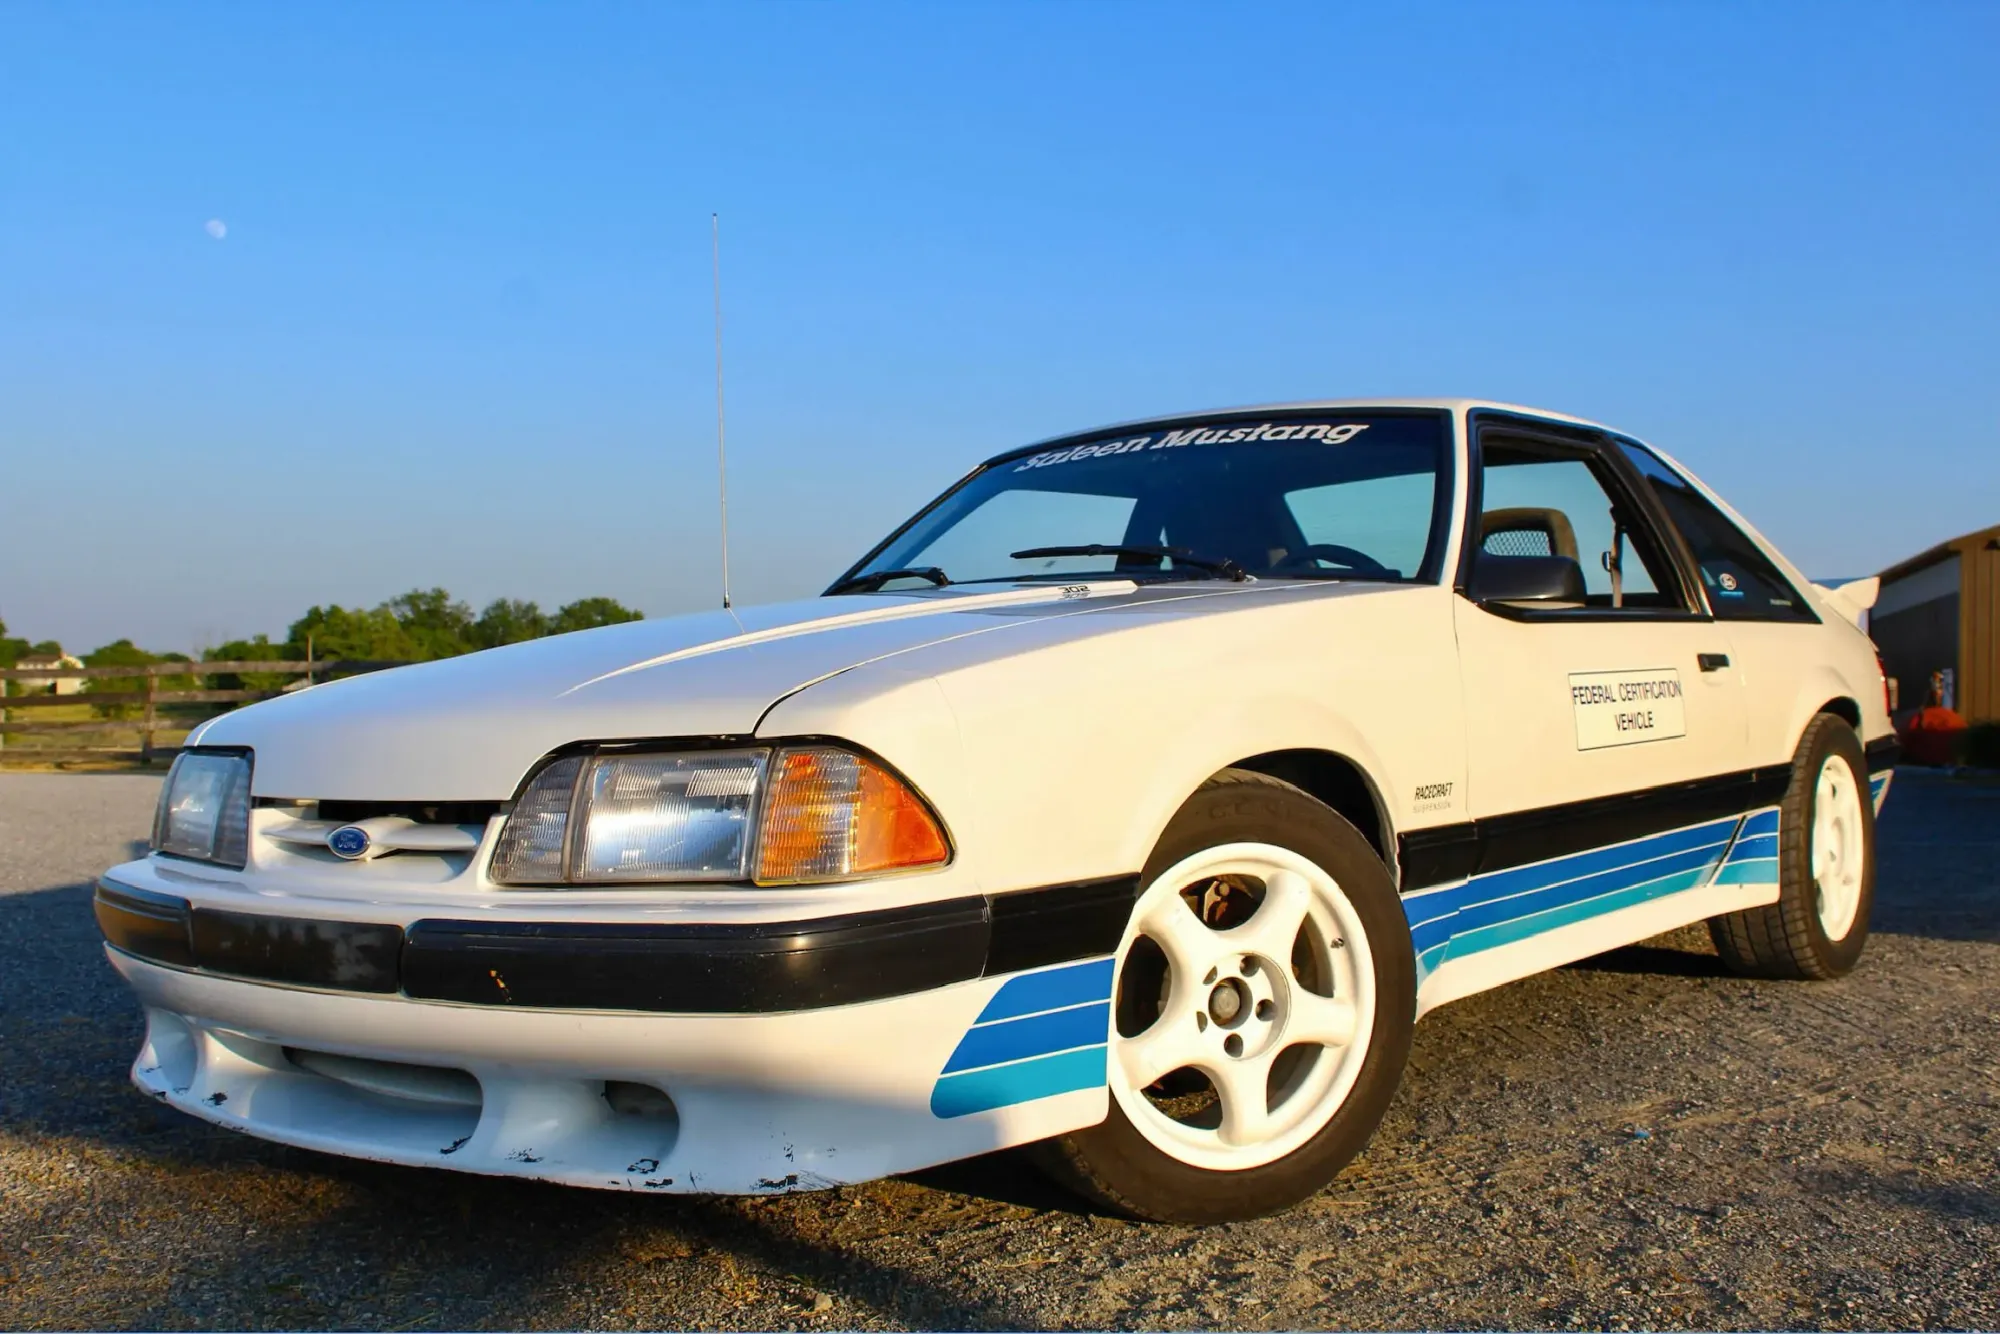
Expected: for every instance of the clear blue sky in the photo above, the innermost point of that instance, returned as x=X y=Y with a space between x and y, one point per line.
x=457 y=331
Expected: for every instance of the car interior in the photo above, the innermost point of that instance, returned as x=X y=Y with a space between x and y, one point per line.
x=1553 y=534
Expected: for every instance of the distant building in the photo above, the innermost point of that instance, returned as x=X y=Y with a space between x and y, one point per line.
x=1939 y=611
x=48 y=662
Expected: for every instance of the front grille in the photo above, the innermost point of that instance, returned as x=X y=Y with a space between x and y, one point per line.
x=423 y=812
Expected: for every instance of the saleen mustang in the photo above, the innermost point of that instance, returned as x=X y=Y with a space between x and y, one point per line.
x=1132 y=801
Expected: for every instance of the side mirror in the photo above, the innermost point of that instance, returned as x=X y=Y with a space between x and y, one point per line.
x=1527 y=579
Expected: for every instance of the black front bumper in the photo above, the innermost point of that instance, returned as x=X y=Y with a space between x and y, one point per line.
x=709 y=968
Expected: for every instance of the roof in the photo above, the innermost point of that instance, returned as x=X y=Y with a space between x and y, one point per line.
x=1949 y=547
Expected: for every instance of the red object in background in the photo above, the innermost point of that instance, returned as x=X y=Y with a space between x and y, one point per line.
x=1929 y=735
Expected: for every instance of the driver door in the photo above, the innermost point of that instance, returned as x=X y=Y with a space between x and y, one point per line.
x=1612 y=720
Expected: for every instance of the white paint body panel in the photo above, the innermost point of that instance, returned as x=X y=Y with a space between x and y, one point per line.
x=1055 y=735
x=1522 y=743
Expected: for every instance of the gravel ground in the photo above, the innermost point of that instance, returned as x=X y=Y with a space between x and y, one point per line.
x=1637 y=1141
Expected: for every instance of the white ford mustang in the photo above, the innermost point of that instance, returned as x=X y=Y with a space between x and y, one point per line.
x=1133 y=801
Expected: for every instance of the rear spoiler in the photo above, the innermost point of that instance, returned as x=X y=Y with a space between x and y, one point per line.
x=1852 y=599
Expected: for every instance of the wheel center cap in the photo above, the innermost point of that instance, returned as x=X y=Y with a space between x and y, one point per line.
x=1226 y=1002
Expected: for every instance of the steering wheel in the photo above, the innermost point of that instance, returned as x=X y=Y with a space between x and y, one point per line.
x=1333 y=554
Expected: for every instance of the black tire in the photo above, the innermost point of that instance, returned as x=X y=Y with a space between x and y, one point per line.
x=1786 y=939
x=1114 y=1165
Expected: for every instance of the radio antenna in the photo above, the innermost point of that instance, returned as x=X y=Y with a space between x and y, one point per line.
x=721 y=455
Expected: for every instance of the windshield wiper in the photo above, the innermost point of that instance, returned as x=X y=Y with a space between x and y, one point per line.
x=1220 y=566
x=874 y=579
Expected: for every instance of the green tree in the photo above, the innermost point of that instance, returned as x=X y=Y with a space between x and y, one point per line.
x=115 y=697
x=587 y=613
x=258 y=649
x=438 y=626
x=509 y=621
x=10 y=652
x=337 y=632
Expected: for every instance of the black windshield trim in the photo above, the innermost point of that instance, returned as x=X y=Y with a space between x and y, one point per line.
x=1431 y=571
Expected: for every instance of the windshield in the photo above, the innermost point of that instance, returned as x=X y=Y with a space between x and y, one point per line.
x=1295 y=496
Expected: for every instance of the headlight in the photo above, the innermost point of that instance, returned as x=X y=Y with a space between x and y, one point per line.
x=204 y=810
x=788 y=816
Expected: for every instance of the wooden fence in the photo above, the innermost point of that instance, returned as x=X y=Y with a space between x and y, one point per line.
x=153 y=712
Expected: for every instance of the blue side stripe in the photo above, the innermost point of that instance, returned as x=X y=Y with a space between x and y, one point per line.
x=1442 y=906
x=1699 y=859
x=1520 y=928
x=1034 y=1035
x=1004 y=1085
x=1749 y=871
x=1763 y=822
x=1052 y=989
x=1757 y=845
x=1753 y=858
x=1425 y=936
x=1520 y=878
x=1523 y=901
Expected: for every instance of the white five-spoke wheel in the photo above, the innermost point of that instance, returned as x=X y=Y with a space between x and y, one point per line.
x=1245 y=1000
x=1837 y=846
x=1263 y=999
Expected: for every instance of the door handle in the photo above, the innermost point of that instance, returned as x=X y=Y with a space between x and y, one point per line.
x=1712 y=662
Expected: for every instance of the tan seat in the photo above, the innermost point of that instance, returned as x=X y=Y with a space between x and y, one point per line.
x=1527 y=531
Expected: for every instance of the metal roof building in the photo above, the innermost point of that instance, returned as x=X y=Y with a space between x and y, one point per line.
x=1940 y=610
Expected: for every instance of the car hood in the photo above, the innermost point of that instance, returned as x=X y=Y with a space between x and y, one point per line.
x=469 y=728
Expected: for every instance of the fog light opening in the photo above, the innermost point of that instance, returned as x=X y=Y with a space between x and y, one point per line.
x=429 y=1085
x=643 y=1100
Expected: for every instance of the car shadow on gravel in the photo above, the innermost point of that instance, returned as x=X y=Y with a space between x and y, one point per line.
x=471 y=1251
x=1654 y=960
x=1937 y=843
x=1007 y=1177
x=1949 y=1201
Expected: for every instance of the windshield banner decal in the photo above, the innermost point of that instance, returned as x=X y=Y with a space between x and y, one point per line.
x=1325 y=432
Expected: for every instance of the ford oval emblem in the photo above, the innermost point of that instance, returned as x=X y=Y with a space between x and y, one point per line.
x=349 y=841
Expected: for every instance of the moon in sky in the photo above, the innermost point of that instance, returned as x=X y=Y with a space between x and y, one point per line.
x=216 y=227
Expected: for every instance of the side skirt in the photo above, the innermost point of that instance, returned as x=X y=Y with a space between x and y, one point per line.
x=1493 y=929
x=1466 y=975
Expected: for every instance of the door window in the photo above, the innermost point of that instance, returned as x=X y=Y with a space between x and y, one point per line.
x=1742 y=583
x=1538 y=500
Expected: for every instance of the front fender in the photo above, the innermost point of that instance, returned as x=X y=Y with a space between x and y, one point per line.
x=1075 y=755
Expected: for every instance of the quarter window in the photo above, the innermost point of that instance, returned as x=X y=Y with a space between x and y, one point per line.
x=1742 y=583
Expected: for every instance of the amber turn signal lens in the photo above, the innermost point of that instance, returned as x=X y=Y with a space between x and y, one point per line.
x=833 y=815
